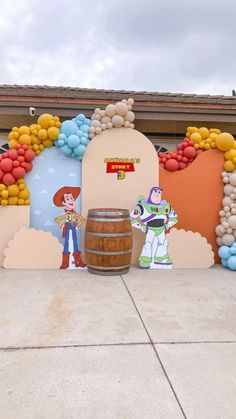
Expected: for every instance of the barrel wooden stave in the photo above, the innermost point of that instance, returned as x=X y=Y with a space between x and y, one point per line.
x=108 y=241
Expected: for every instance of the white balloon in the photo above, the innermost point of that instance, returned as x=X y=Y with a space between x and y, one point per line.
x=232 y=196
x=226 y=202
x=226 y=209
x=117 y=121
x=98 y=130
x=129 y=107
x=103 y=126
x=225 y=224
x=105 y=119
x=91 y=135
x=221 y=213
x=130 y=116
x=102 y=113
x=228 y=239
x=93 y=116
x=232 y=222
x=219 y=241
x=126 y=124
x=220 y=230
x=110 y=110
x=92 y=129
x=233 y=211
x=130 y=101
x=228 y=214
x=228 y=189
x=98 y=117
x=124 y=101
x=229 y=230
x=98 y=110
x=224 y=174
x=121 y=108
x=109 y=125
x=226 y=179
x=233 y=179
x=131 y=126
x=96 y=123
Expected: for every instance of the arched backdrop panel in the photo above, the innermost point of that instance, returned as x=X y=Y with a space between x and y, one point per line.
x=101 y=189
x=51 y=171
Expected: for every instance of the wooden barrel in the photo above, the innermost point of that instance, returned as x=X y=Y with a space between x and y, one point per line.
x=108 y=241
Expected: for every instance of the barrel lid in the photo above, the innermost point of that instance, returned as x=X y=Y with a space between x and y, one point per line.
x=108 y=212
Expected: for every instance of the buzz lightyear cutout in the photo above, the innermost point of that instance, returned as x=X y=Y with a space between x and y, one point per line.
x=154 y=217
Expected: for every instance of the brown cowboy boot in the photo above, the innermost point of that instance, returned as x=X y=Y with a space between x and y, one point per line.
x=65 y=261
x=78 y=261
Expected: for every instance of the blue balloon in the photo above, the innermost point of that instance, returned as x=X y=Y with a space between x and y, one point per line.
x=232 y=263
x=224 y=263
x=73 y=141
x=66 y=150
x=234 y=244
x=224 y=252
x=81 y=116
x=79 y=133
x=233 y=250
x=88 y=121
x=61 y=136
x=60 y=143
x=84 y=128
x=69 y=128
x=78 y=122
x=84 y=141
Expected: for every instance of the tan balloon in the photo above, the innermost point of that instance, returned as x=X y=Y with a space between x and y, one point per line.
x=233 y=179
x=232 y=221
x=228 y=239
x=227 y=202
x=130 y=116
x=121 y=108
x=96 y=123
x=228 y=189
x=219 y=241
x=105 y=119
x=110 y=110
x=130 y=101
x=118 y=121
x=220 y=231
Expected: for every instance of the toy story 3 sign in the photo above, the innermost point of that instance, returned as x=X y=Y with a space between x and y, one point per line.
x=120 y=166
x=154 y=216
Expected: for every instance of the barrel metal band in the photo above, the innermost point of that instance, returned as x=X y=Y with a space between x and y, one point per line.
x=109 y=213
x=90 y=233
x=110 y=220
x=108 y=268
x=98 y=252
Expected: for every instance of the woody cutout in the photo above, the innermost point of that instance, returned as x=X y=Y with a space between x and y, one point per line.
x=70 y=221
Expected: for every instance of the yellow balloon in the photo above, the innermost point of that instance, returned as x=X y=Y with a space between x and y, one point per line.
x=58 y=124
x=196 y=146
x=25 y=139
x=21 y=202
x=229 y=166
x=21 y=187
x=27 y=202
x=24 y=194
x=215 y=130
x=12 y=143
x=15 y=135
x=44 y=119
x=13 y=190
x=192 y=129
x=224 y=141
x=213 y=144
x=53 y=133
x=5 y=194
x=196 y=137
x=21 y=182
x=41 y=147
x=202 y=144
x=35 y=140
x=13 y=200
x=52 y=123
x=213 y=135
x=15 y=129
x=207 y=146
x=4 y=202
x=24 y=130
x=42 y=134
x=35 y=147
x=204 y=132
x=10 y=136
x=229 y=155
x=234 y=145
x=48 y=143
x=2 y=187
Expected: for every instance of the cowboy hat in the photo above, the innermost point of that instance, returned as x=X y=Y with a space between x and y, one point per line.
x=59 y=195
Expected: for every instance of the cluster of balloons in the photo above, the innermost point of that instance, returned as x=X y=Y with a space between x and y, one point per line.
x=36 y=136
x=113 y=116
x=228 y=256
x=16 y=194
x=205 y=139
x=181 y=158
x=14 y=164
x=74 y=137
x=226 y=230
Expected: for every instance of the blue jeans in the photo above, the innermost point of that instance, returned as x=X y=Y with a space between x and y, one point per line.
x=69 y=228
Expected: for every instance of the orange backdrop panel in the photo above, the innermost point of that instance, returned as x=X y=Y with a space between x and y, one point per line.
x=196 y=194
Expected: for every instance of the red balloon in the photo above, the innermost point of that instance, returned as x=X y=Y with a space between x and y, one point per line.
x=17 y=146
x=179 y=158
x=28 y=166
x=20 y=159
x=182 y=165
x=18 y=172
x=171 y=165
x=185 y=160
x=180 y=153
x=1 y=174
x=25 y=147
x=190 y=152
x=173 y=154
x=21 y=151
x=191 y=143
x=5 y=155
x=163 y=160
x=13 y=154
x=6 y=165
x=23 y=164
x=8 y=179
x=15 y=163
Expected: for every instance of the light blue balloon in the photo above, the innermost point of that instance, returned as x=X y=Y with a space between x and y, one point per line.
x=224 y=252
x=232 y=263
x=79 y=158
x=69 y=128
x=83 y=140
x=81 y=116
x=73 y=141
x=66 y=150
x=61 y=136
x=233 y=250
x=224 y=263
x=60 y=142
x=79 y=133
x=88 y=121
x=234 y=244
x=79 y=151
x=78 y=122
x=85 y=134
x=84 y=128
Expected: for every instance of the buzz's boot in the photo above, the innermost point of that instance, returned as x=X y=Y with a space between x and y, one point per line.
x=65 y=261
x=144 y=262
x=78 y=260
x=162 y=260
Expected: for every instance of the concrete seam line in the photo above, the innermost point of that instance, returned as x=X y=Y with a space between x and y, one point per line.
x=95 y=345
x=155 y=350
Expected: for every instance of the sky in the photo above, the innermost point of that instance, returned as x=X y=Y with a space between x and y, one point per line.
x=153 y=45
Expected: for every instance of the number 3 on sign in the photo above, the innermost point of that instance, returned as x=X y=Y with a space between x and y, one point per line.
x=120 y=174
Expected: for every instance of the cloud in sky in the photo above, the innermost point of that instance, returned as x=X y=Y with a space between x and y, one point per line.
x=176 y=46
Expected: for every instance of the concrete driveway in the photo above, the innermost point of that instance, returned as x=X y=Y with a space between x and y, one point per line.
x=151 y=345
